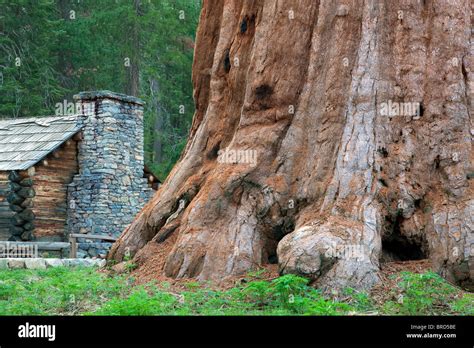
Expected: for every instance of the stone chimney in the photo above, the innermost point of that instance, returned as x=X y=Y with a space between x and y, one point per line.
x=110 y=189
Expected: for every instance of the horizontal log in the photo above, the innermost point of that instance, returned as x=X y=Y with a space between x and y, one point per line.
x=28 y=182
x=6 y=215
x=13 y=198
x=14 y=238
x=27 y=235
x=42 y=215
x=48 y=214
x=41 y=204
x=65 y=161
x=92 y=236
x=27 y=215
x=13 y=186
x=52 y=173
x=16 y=220
x=15 y=208
x=29 y=226
x=44 y=202
x=40 y=233
x=68 y=158
x=51 y=218
x=52 y=193
x=50 y=185
x=26 y=173
x=48 y=188
x=47 y=228
x=16 y=231
x=26 y=192
x=68 y=168
x=27 y=203
x=14 y=176
x=48 y=233
x=48 y=201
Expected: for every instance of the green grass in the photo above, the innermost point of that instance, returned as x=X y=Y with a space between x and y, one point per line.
x=82 y=291
x=428 y=294
x=56 y=291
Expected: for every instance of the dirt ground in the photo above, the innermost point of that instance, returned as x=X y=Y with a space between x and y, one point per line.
x=151 y=260
x=390 y=276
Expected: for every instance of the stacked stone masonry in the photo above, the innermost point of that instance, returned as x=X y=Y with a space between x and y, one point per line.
x=109 y=189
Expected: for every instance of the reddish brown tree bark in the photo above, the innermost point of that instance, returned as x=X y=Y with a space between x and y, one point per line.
x=339 y=184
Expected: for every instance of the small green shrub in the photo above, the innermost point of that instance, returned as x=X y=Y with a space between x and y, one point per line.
x=360 y=300
x=418 y=294
x=140 y=302
x=288 y=288
x=258 y=292
x=464 y=305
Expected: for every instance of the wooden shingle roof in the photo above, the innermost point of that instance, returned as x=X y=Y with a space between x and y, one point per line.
x=26 y=141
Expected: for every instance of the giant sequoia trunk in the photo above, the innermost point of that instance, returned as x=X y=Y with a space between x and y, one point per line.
x=338 y=183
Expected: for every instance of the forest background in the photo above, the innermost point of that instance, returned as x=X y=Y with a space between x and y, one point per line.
x=53 y=49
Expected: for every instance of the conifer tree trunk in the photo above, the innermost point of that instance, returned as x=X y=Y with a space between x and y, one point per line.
x=328 y=136
x=133 y=73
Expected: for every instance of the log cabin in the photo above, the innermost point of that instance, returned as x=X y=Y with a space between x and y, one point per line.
x=81 y=173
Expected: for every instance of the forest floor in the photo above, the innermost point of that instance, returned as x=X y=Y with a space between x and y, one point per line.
x=408 y=288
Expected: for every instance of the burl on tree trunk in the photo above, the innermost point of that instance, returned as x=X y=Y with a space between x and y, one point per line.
x=329 y=136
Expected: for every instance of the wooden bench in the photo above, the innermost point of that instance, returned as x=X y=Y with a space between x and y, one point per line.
x=73 y=240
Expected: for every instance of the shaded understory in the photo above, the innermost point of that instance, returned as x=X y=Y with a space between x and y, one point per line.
x=81 y=291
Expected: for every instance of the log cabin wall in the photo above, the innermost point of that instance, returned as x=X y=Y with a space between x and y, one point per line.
x=51 y=181
x=5 y=212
